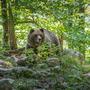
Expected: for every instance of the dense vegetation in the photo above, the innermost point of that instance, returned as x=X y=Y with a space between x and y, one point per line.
x=47 y=70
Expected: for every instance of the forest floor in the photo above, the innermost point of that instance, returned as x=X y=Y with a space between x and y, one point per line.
x=40 y=72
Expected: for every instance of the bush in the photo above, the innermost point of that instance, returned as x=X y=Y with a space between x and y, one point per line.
x=52 y=72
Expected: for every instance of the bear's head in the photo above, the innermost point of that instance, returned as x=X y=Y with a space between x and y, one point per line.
x=36 y=37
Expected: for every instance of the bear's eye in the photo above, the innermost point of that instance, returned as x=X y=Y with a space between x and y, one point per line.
x=35 y=35
x=40 y=35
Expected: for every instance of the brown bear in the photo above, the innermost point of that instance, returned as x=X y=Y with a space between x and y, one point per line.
x=37 y=37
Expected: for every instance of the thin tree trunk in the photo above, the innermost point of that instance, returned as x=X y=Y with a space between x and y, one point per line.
x=12 y=38
x=5 y=23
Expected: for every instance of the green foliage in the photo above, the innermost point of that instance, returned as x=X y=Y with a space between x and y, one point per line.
x=51 y=71
x=62 y=17
x=43 y=52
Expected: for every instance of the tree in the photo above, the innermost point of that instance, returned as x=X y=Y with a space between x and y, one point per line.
x=12 y=37
x=9 y=39
x=5 y=23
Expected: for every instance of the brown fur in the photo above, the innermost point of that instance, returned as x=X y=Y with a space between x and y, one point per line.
x=37 y=37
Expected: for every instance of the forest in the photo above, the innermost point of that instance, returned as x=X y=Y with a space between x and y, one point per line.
x=44 y=44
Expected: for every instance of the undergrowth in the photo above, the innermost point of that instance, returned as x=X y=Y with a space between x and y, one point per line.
x=52 y=71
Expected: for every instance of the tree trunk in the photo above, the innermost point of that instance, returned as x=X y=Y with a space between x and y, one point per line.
x=12 y=38
x=5 y=23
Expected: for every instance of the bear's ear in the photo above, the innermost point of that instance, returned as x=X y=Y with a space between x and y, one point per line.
x=32 y=30
x=42 y=30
